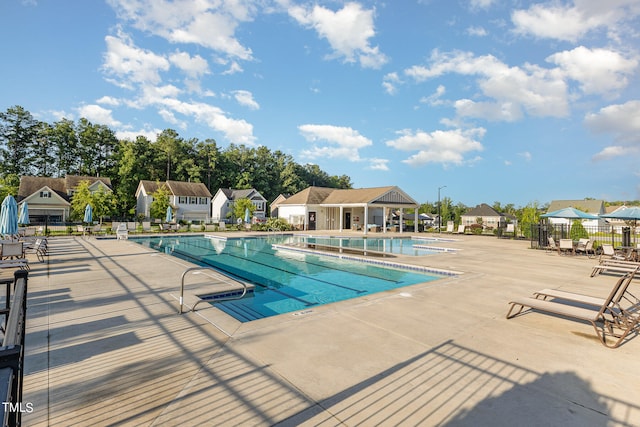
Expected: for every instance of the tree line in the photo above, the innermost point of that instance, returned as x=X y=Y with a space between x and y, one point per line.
x=32 y=147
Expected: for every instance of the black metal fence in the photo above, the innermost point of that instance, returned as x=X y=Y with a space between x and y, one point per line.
x=12 y=351
x=616 y=236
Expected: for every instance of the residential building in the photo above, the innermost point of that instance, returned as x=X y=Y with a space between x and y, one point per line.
x=191 y=201
x=222 y=204
x=485 y=215
x=49 y=199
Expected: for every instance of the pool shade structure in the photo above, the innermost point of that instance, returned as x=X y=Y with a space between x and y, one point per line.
x=569 y=213
x=626 y=214
x=23 y=217
x=9 y=216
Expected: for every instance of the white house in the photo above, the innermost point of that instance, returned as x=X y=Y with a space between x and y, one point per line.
x=222 y=203
x=49 y=199
x=191 y=201
x=592 y=206
x=366 y=209
x=490 y=217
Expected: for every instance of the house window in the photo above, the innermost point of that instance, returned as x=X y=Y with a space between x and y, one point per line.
x=193 y=200
x=45 y=194
x=202 y=201
x=182 y=200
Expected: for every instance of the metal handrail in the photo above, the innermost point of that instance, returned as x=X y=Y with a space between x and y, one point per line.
x=180 y=311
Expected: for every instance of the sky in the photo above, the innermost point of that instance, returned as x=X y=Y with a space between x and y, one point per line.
x=474 y=100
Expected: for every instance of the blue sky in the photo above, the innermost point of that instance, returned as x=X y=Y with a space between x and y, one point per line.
x=509 y=101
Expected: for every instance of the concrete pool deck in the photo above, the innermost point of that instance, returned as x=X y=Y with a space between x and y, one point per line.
x=105 y=346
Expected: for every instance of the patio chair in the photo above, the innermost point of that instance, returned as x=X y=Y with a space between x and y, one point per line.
x=566 y=245
x=609 y=252
x=609 y=319
x=449 y=227
x=461 y=229
x=586 y=246
x=12 y=256
x=122 y=233
x=146 y=226
x=552 y=245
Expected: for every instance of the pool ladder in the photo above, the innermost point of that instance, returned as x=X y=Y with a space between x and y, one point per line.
x=188 y=270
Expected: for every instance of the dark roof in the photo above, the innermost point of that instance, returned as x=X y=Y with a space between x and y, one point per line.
x=177 y=188
x=591 y=206
x=61 y=186
x=482 y=210
x=245 y=193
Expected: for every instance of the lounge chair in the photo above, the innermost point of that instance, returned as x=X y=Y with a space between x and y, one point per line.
x=551 y=246
x=461 y=228
x=39 y=247
x=511 y=228
x=609 y=319
x=613 y=266
x=122 y=233
x=450 y=227
x=558 y=294
x=146 y=226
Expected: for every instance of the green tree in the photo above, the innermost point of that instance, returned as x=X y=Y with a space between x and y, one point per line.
x=578 y=231
x=530 y=215
x=104 y=203
x=81 y=198
x=18 y=130
x=65 y=142
x=43 y=159
x=160 y=203
x=240 y=206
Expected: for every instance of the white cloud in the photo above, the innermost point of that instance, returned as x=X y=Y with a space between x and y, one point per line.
x=208 y=23
x=622 y=121
x=130 y=65
x=445 y=147
x=476 y=31
x=342 y=142
x=572 y=21
x=99 y=115
x=526 y=156
x=194 y=66
x=599 y=71
x=481 y=4
x=244 y=97
x=150 y=134
x=510 y=91
x=348 y=31
x=435 y=98
x=109 y=100
x=379 y=164
x=390 y=83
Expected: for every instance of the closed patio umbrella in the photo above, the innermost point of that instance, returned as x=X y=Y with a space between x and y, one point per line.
x=569 y=213
x=9 y=216
x=247 y=216
x=23 y=217
x=169 y=215
x=88 y=214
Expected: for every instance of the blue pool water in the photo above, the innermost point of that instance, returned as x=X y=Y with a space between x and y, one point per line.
x=392 y=245
x=285 y=281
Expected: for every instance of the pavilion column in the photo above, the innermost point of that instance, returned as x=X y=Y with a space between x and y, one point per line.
x=365 y=222
x=415 y=220
x=401 y=218
x=384 y=219
x=341 y=217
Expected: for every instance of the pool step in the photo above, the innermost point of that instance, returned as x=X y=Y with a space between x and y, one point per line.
x=223 y=295
x=240 y=311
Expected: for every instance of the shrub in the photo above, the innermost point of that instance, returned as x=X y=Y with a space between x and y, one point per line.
x=578 y=231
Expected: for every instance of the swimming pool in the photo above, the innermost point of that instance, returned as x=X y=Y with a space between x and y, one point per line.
x=285 y=281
